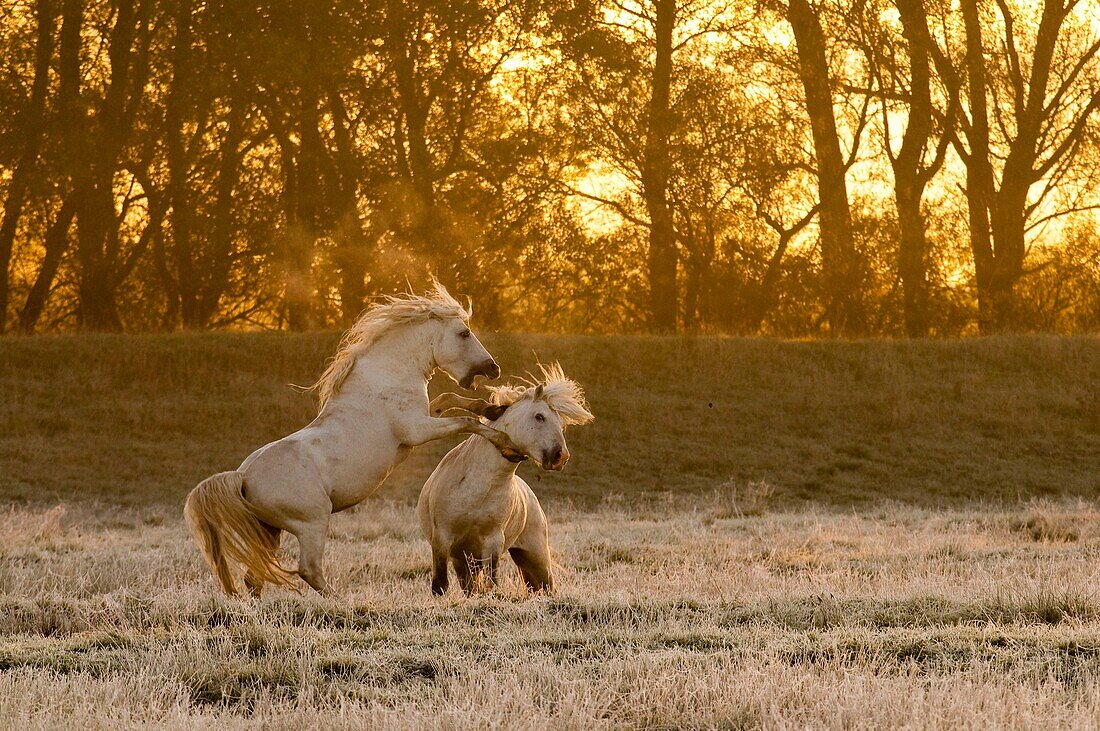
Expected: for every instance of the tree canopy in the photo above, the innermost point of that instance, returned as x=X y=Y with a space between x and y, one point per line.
x=791 y=167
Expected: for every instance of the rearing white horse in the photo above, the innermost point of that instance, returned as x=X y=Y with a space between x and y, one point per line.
x=374 y=409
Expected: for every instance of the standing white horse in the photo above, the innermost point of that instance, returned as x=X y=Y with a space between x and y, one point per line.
x=374 y=409
x=474 y=507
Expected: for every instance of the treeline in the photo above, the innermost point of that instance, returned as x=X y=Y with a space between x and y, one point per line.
x=842 y=167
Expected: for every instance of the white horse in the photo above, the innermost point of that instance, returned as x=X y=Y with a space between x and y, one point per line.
x=374 y=409
x=474 y=507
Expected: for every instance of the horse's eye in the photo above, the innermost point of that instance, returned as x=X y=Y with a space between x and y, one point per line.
x=540 y=417
x=464 y=334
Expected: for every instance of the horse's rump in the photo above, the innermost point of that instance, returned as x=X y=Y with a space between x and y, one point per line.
x=226 y=530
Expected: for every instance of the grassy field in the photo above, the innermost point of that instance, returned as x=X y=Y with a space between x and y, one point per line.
x=751 y=534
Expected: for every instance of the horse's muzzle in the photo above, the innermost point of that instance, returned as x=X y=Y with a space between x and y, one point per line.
x=489 y=369
x=555 y=459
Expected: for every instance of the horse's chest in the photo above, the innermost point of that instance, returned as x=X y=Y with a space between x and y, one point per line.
x=490 y=513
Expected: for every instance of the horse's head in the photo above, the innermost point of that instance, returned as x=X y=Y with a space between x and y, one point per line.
x=535 y=417
x=460 y=354
x=435 y=333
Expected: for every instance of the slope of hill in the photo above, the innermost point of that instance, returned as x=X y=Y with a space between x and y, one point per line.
x=140 y=419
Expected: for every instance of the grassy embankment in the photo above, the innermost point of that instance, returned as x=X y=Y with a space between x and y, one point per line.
x=140 y=420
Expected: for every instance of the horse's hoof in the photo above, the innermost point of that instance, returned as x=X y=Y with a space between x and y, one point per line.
x=492 y=413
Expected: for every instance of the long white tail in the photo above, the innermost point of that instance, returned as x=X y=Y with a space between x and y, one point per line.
x=226 y=530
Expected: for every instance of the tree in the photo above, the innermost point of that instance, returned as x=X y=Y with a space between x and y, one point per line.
x=841 y=266
x=654 y=175
x=1041 y=108
x=649 y=51
x=32 y=131
x=103 y=262
x=601 y=165
x=902 y=68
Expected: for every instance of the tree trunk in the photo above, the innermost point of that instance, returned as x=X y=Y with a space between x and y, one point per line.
x=912 y=255
x=979 y=174
x=97 y=221
x=95 y=217
x=655 y=173
x=765 y=294
x=352 y=253
x=33 y=125
x=693 y=284
x=910 y=178
x=426 y=224
x=839 y=261
x=223 y=229
x=187 y=286
x=1008 y=219
x=1007 y=228
x=998 y=216
x=56 y=243
x=304 y=214
x=74 y=124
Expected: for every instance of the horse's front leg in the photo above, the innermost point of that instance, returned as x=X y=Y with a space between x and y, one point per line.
x=476 y=406
x=422 y=431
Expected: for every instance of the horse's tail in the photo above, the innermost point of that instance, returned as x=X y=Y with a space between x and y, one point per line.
x=226 y=530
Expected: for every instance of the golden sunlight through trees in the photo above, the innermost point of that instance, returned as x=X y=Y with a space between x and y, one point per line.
x=792 y=167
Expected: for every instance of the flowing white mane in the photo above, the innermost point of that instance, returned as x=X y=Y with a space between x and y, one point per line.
x=563 y=395
x=378 y=320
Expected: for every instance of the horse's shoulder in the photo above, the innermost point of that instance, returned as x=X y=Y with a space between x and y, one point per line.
x=520 y=485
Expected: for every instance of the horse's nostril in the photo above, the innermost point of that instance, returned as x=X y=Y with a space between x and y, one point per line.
x=555 y=456
x=492 y=370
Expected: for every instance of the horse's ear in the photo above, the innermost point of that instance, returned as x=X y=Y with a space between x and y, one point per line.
x=538 y=391
x=494 y=412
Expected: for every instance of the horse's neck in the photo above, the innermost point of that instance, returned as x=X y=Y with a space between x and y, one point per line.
x=399 y=360
x=486 y=461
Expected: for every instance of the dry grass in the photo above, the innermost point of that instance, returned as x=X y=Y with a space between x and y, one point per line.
x=674 y=619
x=752 y=534
x=733 y=500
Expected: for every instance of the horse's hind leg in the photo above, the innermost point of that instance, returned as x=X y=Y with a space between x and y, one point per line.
x=311 y=552
x=534 y=568
x=254 y=583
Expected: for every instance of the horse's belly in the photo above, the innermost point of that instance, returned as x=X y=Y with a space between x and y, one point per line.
x=359 y=478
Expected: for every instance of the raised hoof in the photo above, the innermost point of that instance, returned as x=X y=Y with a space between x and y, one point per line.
x=513 y=456
x=492 y=413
